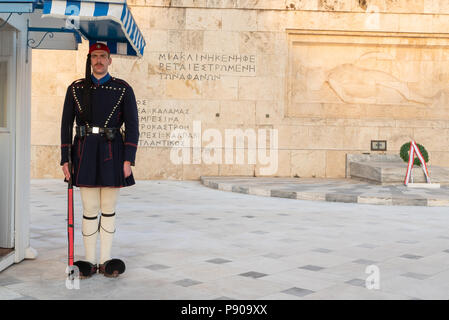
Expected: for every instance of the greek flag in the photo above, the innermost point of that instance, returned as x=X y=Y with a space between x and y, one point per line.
x=110 y=22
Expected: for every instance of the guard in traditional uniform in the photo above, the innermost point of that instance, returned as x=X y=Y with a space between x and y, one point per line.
x=102 y=154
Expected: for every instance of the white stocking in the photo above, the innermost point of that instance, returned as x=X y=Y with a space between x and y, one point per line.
x=107 y=222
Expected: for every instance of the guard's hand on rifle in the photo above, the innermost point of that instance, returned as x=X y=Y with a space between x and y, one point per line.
x=65 y=170
x=127 y=169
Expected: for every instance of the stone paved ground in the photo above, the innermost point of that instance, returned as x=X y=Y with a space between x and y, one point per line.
x=182 y=240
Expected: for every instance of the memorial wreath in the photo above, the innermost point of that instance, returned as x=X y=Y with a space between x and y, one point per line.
x=404 y=153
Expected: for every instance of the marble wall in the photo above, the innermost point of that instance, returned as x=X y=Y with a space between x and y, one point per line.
x=309 y=81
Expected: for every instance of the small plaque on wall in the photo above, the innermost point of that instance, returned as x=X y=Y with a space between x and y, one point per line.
x=378 y=145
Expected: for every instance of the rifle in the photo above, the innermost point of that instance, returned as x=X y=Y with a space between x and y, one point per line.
x=70 y=214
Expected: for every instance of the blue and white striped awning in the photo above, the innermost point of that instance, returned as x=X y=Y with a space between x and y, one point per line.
x=109 y=21
x=17 y=6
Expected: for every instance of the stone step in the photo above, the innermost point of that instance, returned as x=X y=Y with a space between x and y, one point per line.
x=391 y=170
x=332 y=190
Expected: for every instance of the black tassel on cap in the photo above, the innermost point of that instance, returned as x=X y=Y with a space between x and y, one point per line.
x=87 y=93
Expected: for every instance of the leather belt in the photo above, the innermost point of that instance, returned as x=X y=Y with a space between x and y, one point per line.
x=82 y=131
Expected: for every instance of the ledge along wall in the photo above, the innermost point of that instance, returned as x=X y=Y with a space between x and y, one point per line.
x=329 y=76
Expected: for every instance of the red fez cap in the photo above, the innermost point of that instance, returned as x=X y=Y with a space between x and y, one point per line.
x=99 y=46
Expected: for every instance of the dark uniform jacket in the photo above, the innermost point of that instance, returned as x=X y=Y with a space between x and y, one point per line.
x=97 y=161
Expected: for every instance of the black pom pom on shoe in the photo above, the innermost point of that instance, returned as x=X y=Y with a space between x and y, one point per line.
x=112 y=268
x=86 y=269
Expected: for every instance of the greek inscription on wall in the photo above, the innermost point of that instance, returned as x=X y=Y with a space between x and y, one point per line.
x=157 y=120
x=204 y=66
